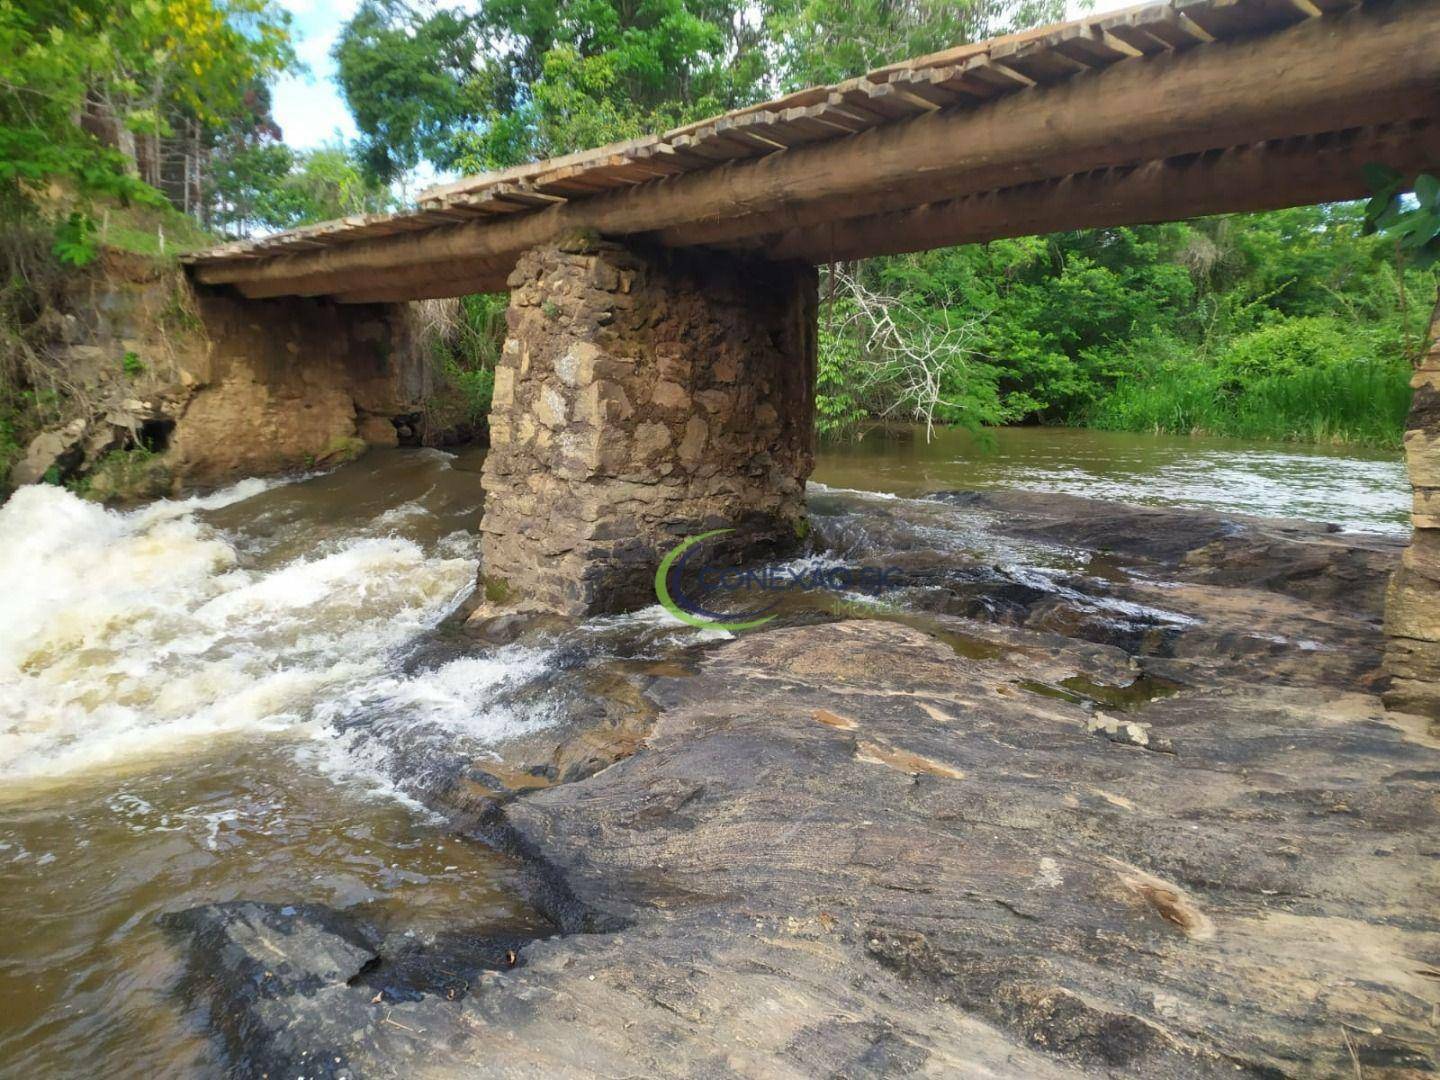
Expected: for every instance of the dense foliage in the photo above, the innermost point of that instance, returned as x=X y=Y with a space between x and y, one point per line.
x=159 y=88
x=474 y=87
x=1288 y=325
x=467 y=335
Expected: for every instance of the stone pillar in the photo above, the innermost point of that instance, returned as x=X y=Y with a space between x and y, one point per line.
x=642 y=396
x=1412 y=607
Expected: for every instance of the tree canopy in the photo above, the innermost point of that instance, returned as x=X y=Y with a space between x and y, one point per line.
x=138 y=75
x=518 y=80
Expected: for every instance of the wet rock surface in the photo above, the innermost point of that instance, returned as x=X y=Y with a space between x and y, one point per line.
x=1135 y=812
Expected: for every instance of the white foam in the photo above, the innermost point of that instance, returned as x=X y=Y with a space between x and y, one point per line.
x=826 y=489
x=125 y=636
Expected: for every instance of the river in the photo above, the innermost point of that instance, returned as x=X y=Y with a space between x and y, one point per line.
x=1360 y=490
x=236 y=696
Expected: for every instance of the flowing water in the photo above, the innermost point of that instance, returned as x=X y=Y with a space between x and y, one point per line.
x=240 y=695
x=1360 y=490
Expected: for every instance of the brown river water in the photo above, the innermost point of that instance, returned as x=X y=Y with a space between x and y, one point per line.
x=232 y=696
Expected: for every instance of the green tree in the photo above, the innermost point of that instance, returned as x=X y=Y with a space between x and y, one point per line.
x=522 y=79
x=267 y=185
x=827 y=41
x=135 y=73
x=50 y=55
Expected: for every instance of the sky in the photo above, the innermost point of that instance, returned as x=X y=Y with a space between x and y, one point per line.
x=310 y=110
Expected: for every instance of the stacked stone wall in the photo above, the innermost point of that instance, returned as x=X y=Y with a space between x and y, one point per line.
x=1412 y=609
x=295 y=381
x=643 y=396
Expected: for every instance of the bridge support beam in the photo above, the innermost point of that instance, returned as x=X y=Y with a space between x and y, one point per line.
x=642 y=396
x=1412 y=608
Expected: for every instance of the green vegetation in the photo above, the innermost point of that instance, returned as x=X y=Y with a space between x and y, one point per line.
x=1360 y=403
x=271 y=186
x=159 y=232
x=1286 y=325
x=468 y=334
x=496 y=589
x=160 y=88
x=1413 y=224
x=126 y=476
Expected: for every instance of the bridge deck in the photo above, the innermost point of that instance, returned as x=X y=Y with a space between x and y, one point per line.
x=1164 y=110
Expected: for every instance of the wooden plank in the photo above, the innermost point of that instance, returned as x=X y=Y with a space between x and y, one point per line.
x=1001 y=76
x=958 y=80
x=861 y=97
x=812 y=128
x=836 y=117
x=678 y=156
x=835 y=112
x=1128 y=29
x=926 y=85
x=750 y=130
x=713 y=149
x=1095 y=47
x=894 y=95
x=1037 y=61
x=1176 y=29
x=762 y=125
x=514 y=193
x=472 y=184
x=1231 y=18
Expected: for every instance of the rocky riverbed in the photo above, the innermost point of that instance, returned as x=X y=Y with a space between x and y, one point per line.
x=1136 y=810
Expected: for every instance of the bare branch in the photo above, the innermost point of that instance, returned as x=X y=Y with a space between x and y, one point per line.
x=902 y=355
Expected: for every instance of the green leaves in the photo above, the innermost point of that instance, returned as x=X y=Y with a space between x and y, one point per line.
x=150 y=67
x=268 y=185
x=75 y=243
x=523 y=79
x=1415 y=227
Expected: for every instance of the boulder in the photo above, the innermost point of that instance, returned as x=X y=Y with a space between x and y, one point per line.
x=51 y=455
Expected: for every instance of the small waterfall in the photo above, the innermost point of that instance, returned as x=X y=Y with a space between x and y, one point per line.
x=128 y=636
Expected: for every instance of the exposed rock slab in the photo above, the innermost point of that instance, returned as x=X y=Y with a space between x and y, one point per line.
x=888 y=847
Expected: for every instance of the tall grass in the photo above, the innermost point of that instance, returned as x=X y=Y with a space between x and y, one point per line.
x=1360 y=403
x=466 y=336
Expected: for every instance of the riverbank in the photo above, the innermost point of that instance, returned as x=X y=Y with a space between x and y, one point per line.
x=1360 y=403
x=1138 y=813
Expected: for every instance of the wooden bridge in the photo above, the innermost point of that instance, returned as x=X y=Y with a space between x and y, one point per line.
x=1165 y=111
x=658 y=375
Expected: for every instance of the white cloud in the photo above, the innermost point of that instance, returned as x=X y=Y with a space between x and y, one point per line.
x=310 y=110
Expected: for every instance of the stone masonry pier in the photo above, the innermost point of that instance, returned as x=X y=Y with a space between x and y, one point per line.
x=643 y=395
x=1412 y=614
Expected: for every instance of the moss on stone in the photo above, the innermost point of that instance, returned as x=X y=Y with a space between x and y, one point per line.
x=341 y=449
x=496 y=589
x=126 y=476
